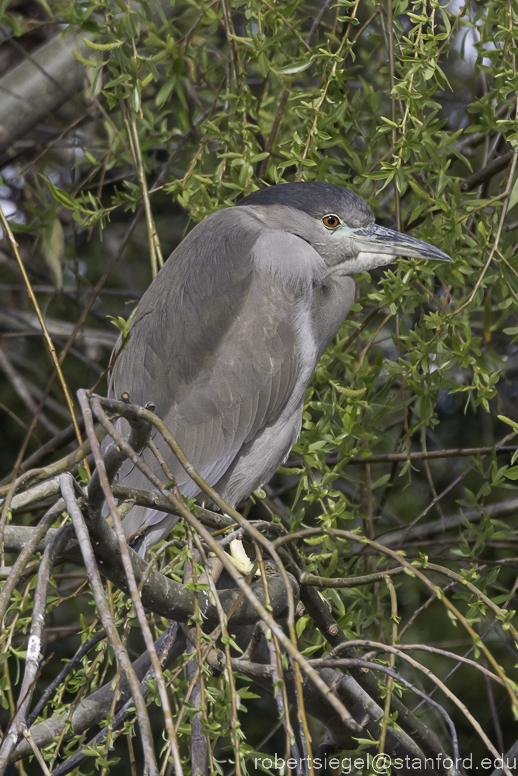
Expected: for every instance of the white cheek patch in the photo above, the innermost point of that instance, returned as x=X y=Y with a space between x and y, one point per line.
x=364 y=261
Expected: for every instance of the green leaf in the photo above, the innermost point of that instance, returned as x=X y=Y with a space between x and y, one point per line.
x=85 y=62
x=298 y=67
x=165 y=92
x=229 y=641
x=102 y=46
x=509 y=422
x=513 y=198
x=54 y=250
x=83 y=474
x=61 y=196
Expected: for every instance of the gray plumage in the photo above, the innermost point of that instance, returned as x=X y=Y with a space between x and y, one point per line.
x=227 y=336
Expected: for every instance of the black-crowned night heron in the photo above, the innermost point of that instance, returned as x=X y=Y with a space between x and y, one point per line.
x=226 y=338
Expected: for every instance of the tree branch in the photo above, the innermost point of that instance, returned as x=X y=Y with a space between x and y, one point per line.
x=67 y=488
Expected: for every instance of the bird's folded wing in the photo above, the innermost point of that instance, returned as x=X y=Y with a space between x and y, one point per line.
x=215 y=343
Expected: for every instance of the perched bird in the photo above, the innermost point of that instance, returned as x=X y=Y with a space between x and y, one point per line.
x=227 y=336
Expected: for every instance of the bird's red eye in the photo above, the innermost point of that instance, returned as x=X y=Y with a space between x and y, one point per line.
x=331 y=221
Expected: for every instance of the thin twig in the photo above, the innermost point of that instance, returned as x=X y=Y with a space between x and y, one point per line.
x=412 y=570
x=37 y=753
x=200 y=743
x=26 y=554
x=394 y=638
x=311 y=579
x=67 y=489
x=487 y=172
x=280 y=694
x=458 y=452
x=155 y=252
x=168 y=640
x=130 y=576
x=50 y=344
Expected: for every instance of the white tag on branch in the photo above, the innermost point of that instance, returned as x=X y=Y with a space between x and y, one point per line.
x=33 y=648
x=239 y=557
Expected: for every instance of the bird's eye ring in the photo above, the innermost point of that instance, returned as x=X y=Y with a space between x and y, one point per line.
x=331 y=221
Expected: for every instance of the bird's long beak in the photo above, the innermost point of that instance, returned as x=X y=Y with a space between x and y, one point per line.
x=376 y=239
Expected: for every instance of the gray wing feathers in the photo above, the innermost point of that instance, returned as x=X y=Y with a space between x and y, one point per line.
x=194 y=346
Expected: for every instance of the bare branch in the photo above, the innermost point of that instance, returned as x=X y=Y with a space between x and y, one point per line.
x=92 y=710
x=34 y=646
x=67 y=489
x=424 y=738
x=39 y=85
x=164 y=653
x=160 y=594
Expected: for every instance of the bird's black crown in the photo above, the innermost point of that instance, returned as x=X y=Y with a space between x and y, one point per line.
x=317 y=199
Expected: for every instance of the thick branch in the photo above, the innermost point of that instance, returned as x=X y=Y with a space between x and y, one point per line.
x=487 y=172
x=160 y=594
x=38 y=86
